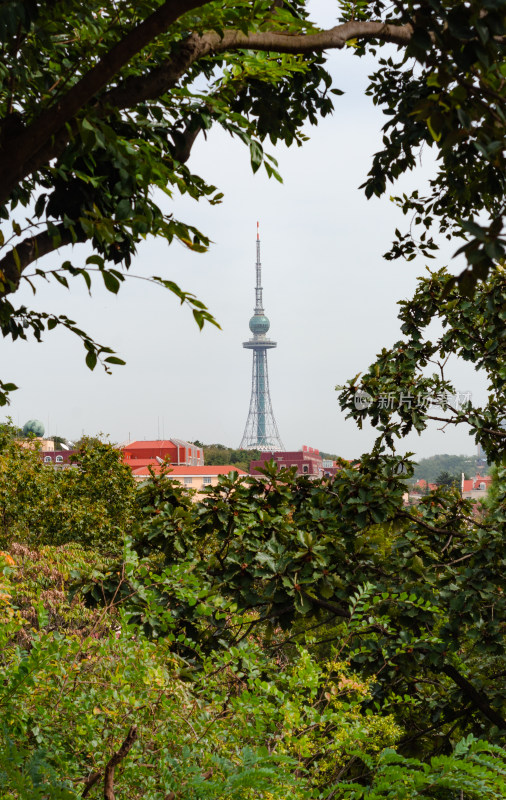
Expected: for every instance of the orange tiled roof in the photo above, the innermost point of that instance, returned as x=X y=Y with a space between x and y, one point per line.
x=474 y=483
x=192 y=472
x=141 y=445
x=136 y=463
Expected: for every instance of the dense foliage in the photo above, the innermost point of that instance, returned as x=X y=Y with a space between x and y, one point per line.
x=90 y=503
x=398 y=395
x=288 y=637
x=296 y=550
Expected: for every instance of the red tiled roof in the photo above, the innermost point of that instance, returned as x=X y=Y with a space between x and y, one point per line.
x=136 y=463
x=141 y=445
x=192 y=472
x=474 y=483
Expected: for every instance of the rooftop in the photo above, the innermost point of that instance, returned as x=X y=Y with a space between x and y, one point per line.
x=191 y=472
x=141 y=444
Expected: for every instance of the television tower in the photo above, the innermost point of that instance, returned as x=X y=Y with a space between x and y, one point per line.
x=261 y=431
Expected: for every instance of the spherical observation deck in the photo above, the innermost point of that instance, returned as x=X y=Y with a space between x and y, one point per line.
x=34 y=427
x=259 y=324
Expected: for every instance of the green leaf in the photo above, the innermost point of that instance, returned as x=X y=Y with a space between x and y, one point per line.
x=256 y=155
x=61 y=279
x=91 y=359
x=95 y=259
x=114 y=360
x=111 y=282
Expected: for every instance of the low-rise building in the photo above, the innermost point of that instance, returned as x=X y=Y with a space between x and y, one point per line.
x=192 y=477
x=307 y=461
x=36 y=442
x=422 y=486
x=177 y=451
x=475 y=488
x=57 y=458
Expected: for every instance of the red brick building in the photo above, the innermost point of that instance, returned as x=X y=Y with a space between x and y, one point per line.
x=141 y=453
x=308 y=462
x=422 y=486
x=58 y=458
x=475 y=488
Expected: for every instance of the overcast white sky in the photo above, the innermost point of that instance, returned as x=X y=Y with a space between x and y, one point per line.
x=330 y=296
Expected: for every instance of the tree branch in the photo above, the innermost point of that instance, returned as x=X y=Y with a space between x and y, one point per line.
x=185 y=139
x=478 y=699
x=30 y=140
x=331 y=39
x=421 y=521
x=29 y=250
x=90 y=783
x=113 y=762
x=47 y=136
x=138 y=89
x=339 y=611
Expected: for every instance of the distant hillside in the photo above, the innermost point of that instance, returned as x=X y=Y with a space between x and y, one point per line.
x=430 y=468
x=329 y=456
x=219 y=454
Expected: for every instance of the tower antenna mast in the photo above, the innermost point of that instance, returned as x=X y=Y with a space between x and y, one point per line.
x=261 y=431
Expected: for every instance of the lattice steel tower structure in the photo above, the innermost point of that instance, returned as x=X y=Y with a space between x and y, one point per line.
x=261 y=431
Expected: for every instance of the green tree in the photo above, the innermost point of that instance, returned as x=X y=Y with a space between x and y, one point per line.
x=239 y=724
x=412 y=599
x=219 y=454
x=445 y=479
x=111 y=97
x=91 y=503
x=472 y=330
x=496 y=495
x=244 y=724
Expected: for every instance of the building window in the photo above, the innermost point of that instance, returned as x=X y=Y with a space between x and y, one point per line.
x=305 y=468
x=482 y=486
x=59 y=459
x=47 y=459
x=206 y=481
x=188 y=481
